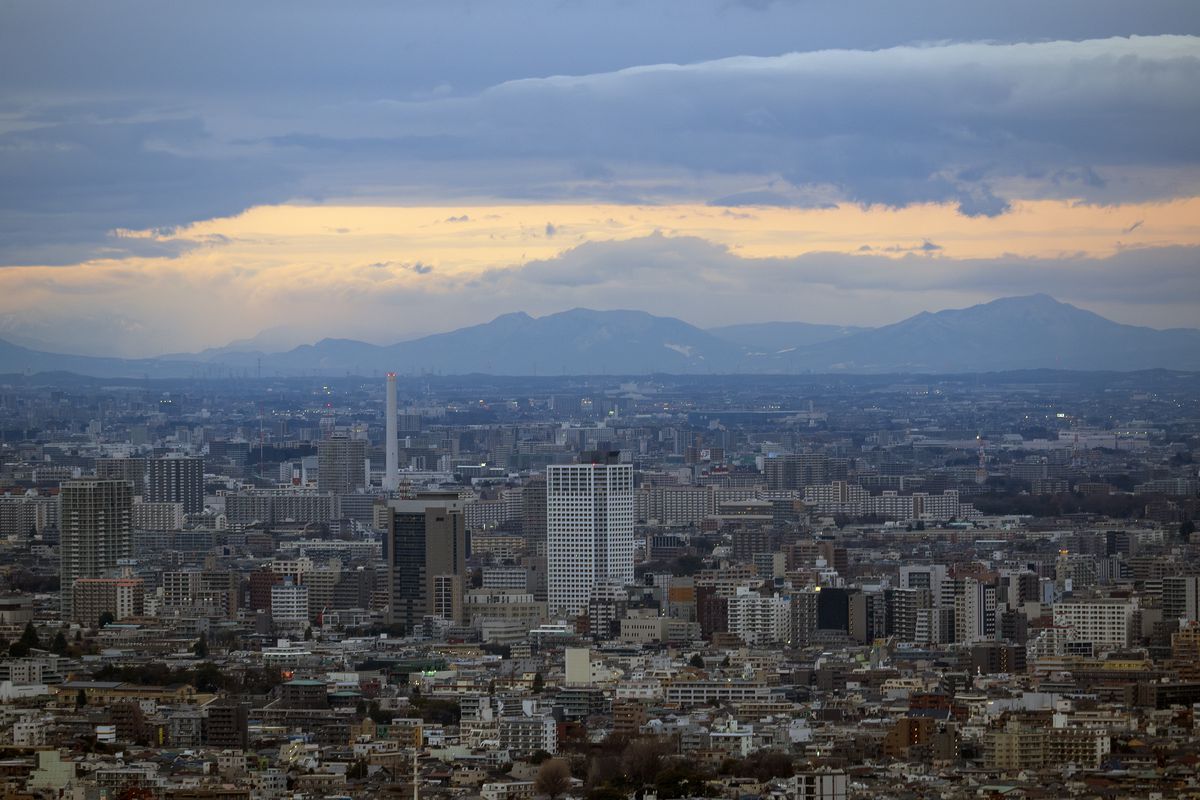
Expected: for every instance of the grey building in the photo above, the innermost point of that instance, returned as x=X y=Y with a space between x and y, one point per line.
x=97 y=522
x=177 y=479
x=341 y=464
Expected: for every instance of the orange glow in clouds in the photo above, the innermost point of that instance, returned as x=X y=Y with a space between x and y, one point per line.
x=456 y=238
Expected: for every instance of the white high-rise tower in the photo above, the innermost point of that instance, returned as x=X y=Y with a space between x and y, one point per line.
x=589 y=529
x=391 y=476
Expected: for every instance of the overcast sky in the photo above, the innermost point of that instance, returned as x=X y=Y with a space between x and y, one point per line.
x=175 y=176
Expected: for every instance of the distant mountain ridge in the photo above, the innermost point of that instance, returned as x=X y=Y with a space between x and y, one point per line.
x=778 y=336
x=1013 y=333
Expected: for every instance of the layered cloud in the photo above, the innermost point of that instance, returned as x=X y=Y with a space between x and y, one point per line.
x=695 y=268
x=977 y=125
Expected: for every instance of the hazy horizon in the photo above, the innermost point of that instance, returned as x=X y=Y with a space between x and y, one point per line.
x=281 y=340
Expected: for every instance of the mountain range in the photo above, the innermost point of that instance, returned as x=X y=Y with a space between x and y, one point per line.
x=1012 y=333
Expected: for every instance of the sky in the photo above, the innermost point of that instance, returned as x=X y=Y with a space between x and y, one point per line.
x=176 y=176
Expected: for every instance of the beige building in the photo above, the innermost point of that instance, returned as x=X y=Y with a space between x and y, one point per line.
x=93 y=597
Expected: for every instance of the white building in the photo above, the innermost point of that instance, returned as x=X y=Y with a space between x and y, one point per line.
x=975 y=612
x=758 y=620
x=840 y=497
x=676 y=505
x=527 y=734
x=1106 y=624
x=589 y=530
x=818 y=785
x=515 y=579
x=289 y=604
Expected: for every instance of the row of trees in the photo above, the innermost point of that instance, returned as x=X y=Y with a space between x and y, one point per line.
x=31 y=640
x=1117 y=506
x=619 y=767
x=206 y=677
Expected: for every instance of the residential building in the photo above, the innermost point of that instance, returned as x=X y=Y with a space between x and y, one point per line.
x=589 y=529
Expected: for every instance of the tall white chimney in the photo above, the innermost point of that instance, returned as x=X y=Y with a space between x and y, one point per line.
x=391 y=477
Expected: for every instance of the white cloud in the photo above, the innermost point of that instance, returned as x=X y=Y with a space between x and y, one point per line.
x=656 y=266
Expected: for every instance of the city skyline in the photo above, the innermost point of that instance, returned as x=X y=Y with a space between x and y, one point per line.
x=594 y=400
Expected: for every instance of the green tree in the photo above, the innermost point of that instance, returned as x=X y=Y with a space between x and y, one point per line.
x=539 y=683
x=441 y=712
x=106 y=618
x=681 y=778
x=81 y=699
x=697 y=661
x=308 y=634
x=608 y=792
x=30 y=638
x=210 y=678
x=1186 y=529
x=201 y=646
x=553 y=778
x=59 y=645
x=642 y=759
x=378 y=715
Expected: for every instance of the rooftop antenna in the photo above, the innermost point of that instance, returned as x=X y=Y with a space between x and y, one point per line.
x=981 y=473
x=391 y=477
x=261 y=446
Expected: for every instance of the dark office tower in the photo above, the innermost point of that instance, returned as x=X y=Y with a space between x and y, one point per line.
x=712 y=612
x=989 y=658
x=533 y=511
x=341 y=464
x=228 y=724
x=408 y=423
x=428 y=541
x=1014 y=626
x=123 y=469
x=261 y=582
x=177 y=479
x=833 y=609
x=97 y=518
x=804 y=615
